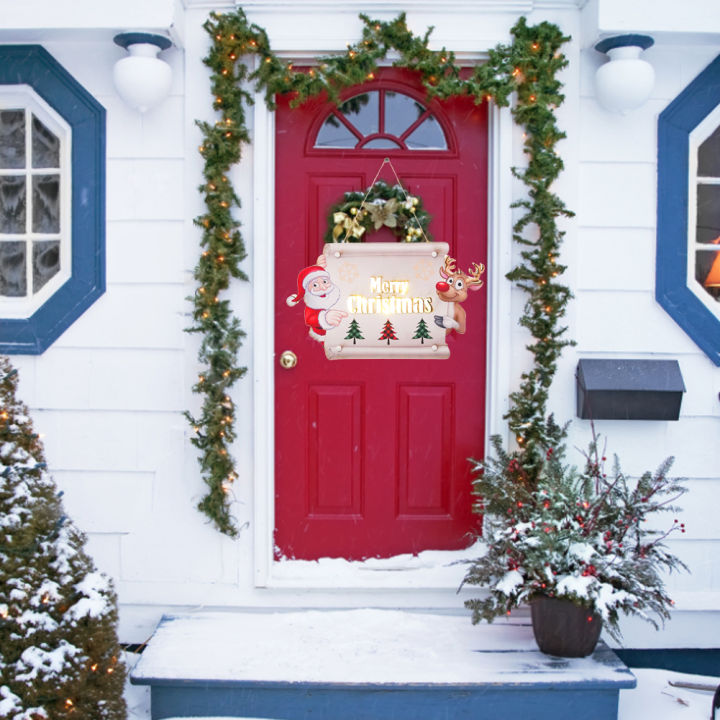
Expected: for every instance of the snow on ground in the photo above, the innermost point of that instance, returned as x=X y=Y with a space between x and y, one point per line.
x=137 y=697
x=428 y=569
x=655 y=698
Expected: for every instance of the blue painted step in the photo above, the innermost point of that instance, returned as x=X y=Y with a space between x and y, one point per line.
x=369 y=665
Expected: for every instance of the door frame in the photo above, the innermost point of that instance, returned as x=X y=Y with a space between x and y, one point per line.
x=501 y=132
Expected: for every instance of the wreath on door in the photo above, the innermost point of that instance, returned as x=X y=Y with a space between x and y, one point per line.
x=360 y=213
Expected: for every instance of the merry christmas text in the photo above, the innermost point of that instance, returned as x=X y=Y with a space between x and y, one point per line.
x=389 y=297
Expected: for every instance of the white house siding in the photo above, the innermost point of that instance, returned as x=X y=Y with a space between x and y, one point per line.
x=615 y=315
x=109 y=394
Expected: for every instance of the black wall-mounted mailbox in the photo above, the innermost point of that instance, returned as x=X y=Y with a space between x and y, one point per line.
x=629 y=389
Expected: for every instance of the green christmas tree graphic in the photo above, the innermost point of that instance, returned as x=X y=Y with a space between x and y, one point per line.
x=354 y=332
x=388 y=332
x=421 y=332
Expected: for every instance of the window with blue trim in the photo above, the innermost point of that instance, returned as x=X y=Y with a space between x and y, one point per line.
x=704 y=206
x=52 y=199
x=688 y=216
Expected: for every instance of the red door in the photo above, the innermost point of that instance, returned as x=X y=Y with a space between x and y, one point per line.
x=371 y=455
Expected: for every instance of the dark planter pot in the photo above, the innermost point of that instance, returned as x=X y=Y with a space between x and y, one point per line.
x=564 y=629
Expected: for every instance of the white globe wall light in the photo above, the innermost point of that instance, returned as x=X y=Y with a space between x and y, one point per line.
x=626 y=81
x=142 y=79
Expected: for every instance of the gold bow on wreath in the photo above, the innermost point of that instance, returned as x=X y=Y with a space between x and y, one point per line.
x=343 y=224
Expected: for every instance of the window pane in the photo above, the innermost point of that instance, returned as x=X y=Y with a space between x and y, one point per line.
x=708 y=213
x=381 y=144
x=13 y=282
x=12 y=204
x=45 y=146
x=427 y=136
x=12 y=139
x=363 y=112
x=46 y=262
x=46 y=203
x=707 y=271
x=333 y=134
x=401 y=112
x=709 y=156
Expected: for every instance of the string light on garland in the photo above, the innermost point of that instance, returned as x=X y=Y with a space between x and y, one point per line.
x=527 y=67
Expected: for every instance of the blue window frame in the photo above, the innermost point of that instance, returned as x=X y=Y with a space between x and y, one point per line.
x=676 y=288
x=33 y=66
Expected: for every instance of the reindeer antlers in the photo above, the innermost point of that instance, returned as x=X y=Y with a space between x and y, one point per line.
x=449 y=267
x=474 y=273
x=472 y=276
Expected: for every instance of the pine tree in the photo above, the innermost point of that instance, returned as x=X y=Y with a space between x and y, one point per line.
x=354 y=332
x=421 y=332
x=59 y=653
x=388 y=332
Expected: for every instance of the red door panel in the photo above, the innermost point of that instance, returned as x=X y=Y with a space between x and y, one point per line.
x=371 y=455
x=323 y=192
x=424 y=455
x=335 y=422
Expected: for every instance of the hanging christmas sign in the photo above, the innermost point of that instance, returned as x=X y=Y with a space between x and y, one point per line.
x=385 y=300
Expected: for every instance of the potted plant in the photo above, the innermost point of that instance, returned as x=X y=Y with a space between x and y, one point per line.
x=574 y=543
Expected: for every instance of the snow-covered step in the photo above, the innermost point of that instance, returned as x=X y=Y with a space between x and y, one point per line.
x=369 y=665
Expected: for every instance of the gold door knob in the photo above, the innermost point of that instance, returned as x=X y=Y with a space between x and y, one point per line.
x=288 y=360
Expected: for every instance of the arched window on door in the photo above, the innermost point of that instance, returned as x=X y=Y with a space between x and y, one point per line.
x=381 y=120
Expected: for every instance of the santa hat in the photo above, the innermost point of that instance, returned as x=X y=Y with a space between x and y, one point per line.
x=305 y=277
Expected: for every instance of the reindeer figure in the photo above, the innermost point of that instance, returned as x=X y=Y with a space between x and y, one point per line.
x=453 y=288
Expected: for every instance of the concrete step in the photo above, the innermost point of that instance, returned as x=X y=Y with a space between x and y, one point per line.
x=369 y=665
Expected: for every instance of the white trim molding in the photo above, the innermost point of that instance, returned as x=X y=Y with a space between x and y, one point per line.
x=368 y=6
x=264 y=339
x=514 y=7
x=499 y=333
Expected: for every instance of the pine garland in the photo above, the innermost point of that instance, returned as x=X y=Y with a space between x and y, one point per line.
x=527 y=67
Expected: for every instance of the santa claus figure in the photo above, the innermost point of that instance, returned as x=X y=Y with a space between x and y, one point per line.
x=320 y=296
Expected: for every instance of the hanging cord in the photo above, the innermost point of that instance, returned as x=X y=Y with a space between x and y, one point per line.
x=387 y=161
